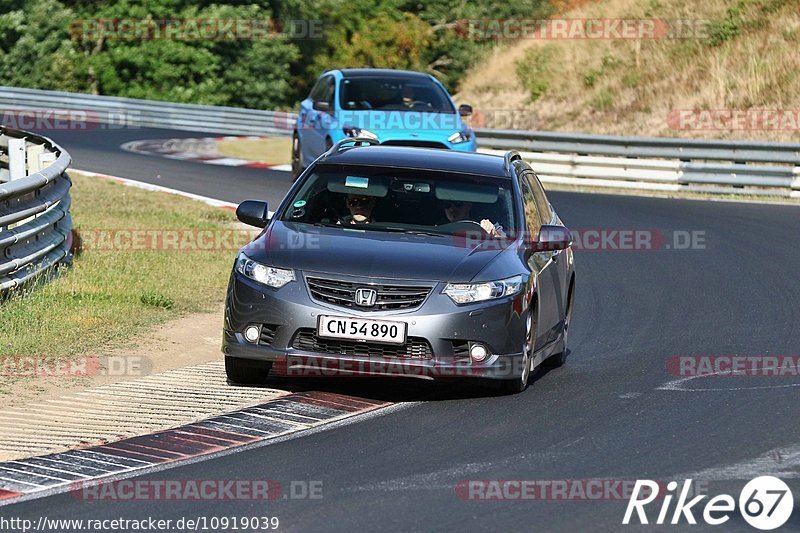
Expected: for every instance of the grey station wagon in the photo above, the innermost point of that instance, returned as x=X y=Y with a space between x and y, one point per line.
x=406 y=262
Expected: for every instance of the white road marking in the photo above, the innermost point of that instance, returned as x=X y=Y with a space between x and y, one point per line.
x=226 y=161
x=677 y=385
x=779 y=462
x=150 y=187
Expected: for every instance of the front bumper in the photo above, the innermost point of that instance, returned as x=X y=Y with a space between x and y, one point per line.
x=447 y=328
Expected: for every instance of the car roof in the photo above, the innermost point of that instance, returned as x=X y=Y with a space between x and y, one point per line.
x=434 y=159
x=381 y=72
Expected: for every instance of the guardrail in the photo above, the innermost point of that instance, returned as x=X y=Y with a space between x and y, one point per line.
x=117 y=112
x=35 y=224
x=659 y=164
x=656 y=164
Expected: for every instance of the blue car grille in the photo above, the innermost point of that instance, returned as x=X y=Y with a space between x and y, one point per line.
x=389 y=297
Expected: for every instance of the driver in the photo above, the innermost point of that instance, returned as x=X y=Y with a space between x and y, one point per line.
x=456 y=210
x=408 y=96
x=361 y=208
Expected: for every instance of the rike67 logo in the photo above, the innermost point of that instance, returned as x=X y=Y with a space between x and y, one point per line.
x=765 y=503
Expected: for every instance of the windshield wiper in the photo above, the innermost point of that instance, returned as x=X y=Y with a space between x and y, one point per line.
x=371 y=227
x=415 y=232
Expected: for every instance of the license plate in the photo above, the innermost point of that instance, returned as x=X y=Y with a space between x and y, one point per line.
x=361 y=329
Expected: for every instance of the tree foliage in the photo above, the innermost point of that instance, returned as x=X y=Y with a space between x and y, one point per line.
x=45 y=44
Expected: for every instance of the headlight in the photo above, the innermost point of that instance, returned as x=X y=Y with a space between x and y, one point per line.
x=269 y=276
x=464 y=293
x=352 y=131
x=460 y=137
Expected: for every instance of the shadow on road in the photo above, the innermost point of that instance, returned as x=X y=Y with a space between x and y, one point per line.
x=399 y=389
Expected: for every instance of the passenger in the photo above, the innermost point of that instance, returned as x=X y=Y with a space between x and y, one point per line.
x=455 y=210
x=361 y=208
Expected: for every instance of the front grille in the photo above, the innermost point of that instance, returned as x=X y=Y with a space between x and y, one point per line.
x=415 y=347
x=418 y=144
x=390 y=297
x=268 y=332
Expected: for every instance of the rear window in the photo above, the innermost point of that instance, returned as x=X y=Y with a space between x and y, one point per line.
x=394 y=94
x=374 y=198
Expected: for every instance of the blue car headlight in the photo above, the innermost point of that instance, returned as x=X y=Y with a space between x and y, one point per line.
x=266 y=275
x=353 y=131
x=465 y=293
x=461 y=136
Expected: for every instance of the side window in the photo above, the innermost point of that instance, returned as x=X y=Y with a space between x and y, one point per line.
x=316 y=91
x=531 y=213
x=328 y=91
x=542 y=205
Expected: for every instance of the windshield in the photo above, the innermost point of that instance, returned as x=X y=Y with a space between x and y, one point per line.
x=412 y=201
x=394 y=94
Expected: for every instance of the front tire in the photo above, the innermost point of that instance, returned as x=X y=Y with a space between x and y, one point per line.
x=246 y=371
x=520 y=383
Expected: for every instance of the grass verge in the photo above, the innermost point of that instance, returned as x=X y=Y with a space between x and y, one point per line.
x=273 y=151
x=112 y=293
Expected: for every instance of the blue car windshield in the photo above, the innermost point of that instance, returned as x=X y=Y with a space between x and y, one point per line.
x=373 y=198
x=394 y=94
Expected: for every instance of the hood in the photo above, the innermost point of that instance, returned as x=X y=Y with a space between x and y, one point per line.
x=370 y=253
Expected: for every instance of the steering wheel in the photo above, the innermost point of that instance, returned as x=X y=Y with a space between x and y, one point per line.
x=462 y=223
x=465 y=221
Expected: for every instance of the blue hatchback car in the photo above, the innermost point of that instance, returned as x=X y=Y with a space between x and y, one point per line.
x=394 y=107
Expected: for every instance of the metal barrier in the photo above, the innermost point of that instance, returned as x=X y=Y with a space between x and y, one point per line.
x=664 y=175
x=35 y=224
x=655 y=164
x=660 y=164
x=120 y=113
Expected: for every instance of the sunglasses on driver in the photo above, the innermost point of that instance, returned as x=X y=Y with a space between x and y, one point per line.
x=359 y=201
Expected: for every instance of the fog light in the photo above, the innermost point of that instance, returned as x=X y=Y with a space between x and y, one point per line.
x=478 y=352
x=251 y=333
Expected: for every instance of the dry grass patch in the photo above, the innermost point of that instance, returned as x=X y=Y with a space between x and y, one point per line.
x=747 y=60
x=273 y=151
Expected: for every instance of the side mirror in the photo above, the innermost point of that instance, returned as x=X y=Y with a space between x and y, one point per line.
x=253 y=213
x=465 y=110
x=323 y=106
x=552 y=238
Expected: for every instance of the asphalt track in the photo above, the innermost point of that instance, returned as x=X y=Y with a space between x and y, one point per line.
x=604 y=415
